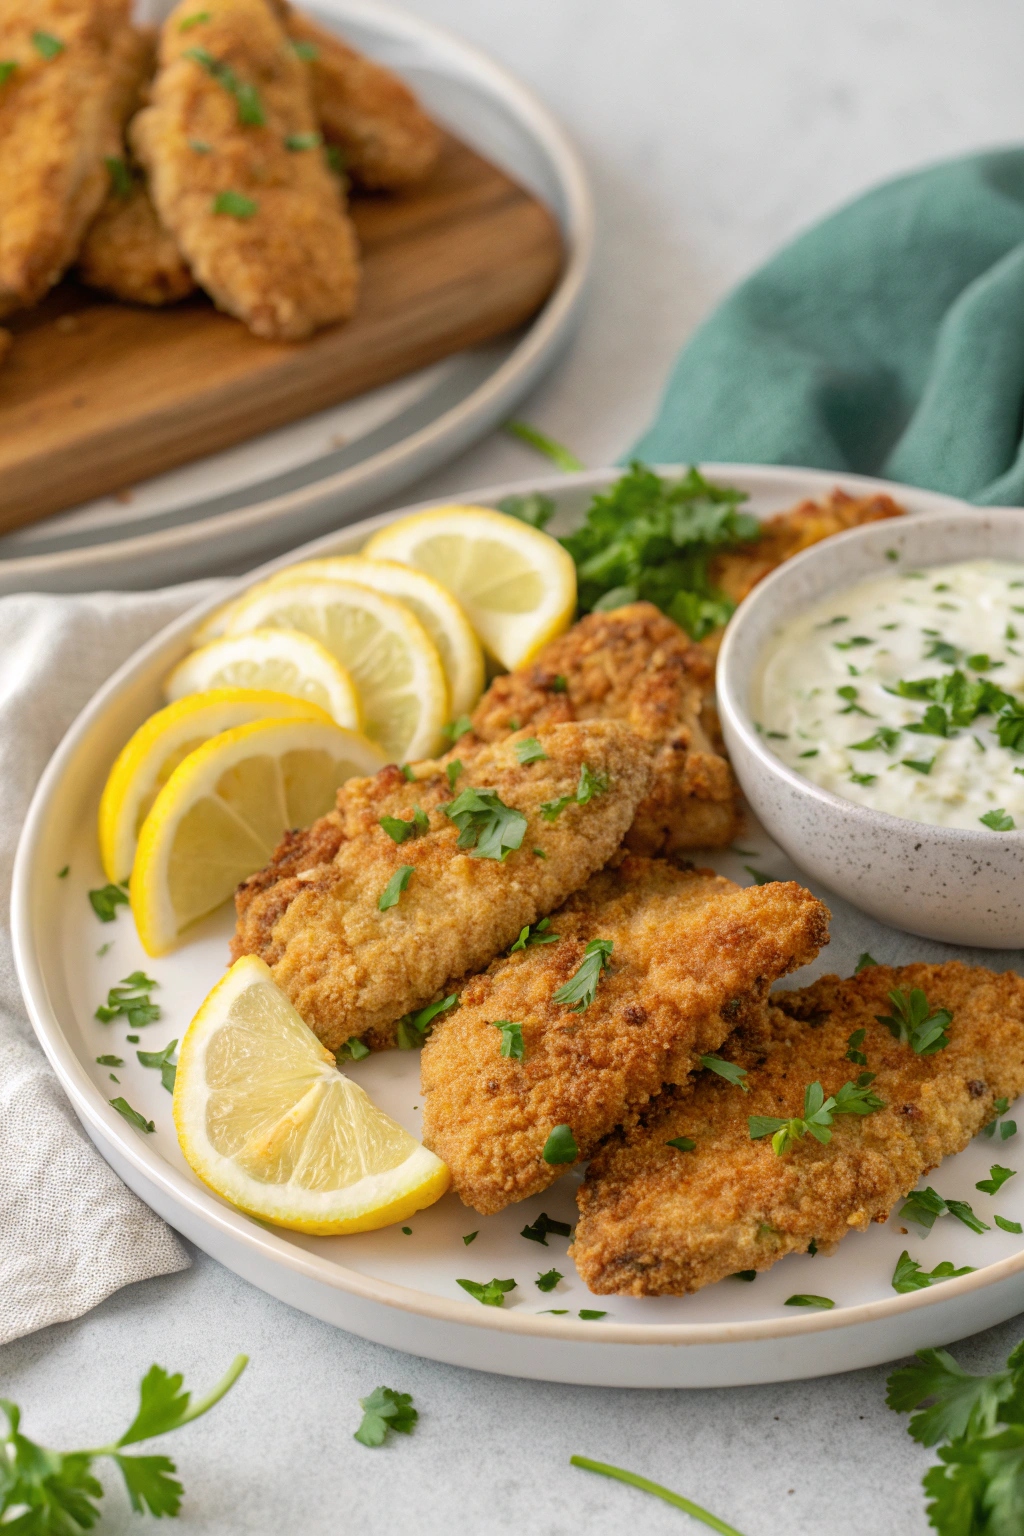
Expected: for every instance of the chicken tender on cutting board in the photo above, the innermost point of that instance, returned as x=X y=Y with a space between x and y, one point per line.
x=637 y=665
x=693 y=955
x=352 y=969
x=60 y=105
x=655 y=1221
x=237 y=175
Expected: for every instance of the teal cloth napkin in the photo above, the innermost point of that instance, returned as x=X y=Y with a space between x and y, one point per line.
x=888 y=340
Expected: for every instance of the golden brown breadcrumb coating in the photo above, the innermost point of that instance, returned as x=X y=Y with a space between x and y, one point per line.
x=693 y=955
x=637 y=665
x=231 y=146
x=59 y=118
x=387 y=140
x=658 y=1222
x=351 y=969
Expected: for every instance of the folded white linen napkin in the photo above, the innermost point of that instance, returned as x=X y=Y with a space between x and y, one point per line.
x=70 y=1232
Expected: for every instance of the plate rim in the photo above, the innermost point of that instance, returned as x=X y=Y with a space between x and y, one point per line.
x=456 y=428
x=206 y=1208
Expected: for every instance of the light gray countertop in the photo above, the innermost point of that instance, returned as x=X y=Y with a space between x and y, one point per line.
x=713 y=133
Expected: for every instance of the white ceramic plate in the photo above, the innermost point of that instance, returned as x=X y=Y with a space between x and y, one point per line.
x=401 y=1290
x=222 y=512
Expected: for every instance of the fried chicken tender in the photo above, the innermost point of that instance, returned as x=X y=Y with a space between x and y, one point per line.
x=254 y=209
x=59 y=119
x=693 y=956
x=388 y=141
x=636 y=665
x=658 y=1222
x=351 y=969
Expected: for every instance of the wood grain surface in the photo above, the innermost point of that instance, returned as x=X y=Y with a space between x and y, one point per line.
x=96 y=395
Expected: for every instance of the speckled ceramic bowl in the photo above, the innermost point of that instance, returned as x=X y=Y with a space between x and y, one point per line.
x=948 y=883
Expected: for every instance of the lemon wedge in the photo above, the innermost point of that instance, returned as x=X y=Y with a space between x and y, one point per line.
x=265 y=1118
x=517 y=586
x=146 y=763
x=221 y=814
x=436 y=609
x=278 y=659
x=388 y=654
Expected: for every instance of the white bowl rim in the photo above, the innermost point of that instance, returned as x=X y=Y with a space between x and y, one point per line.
x=732 y=693
x=105 y=1125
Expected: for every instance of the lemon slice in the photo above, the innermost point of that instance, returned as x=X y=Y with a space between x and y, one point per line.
x=436 y=609
x=265 y=1119
x=280 y=659
x=221 y=814
x=389 y=655
x=516 y=585
x=151 y=756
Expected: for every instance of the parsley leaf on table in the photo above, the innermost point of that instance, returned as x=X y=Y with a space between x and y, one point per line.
x=646 y=1486
x=580 y=990
x=413 y=1028
x=538 y=1233
x=912 y=1024
x=959 y=1402
x=486 y=824
x=383 y=1410
x=54 y=1493
x=909 y=1276
x=489 y=1294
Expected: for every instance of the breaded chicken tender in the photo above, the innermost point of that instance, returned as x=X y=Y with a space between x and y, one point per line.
x=62 y=63
x=655 y=1221
x=387 y=140
x=694 y=956
x=352 y=969
x=637 y=665
x=232 y=150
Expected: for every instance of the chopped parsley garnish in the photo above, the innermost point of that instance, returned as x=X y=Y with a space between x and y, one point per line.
x=579 y=991
x=455 y=729
x=307 y=51
x=52 y=1494
x=491 y=1294
x=590 y=784
x=391 y=894
x=7 y=68
x=853 y=1048
x=406 y=770
x=566 y=461
x=384 y=1410
x=998 y=820
x=850 y=694
x=863 y=778
x=299 y=141
x=924 y=1205
x=589 y=1315
x=486 y=824
x=109 y=1061
x=470 y=1237
x=941 y=650
x=512 y=1042
x=46 y=44
x=990 y=1186
x=744 y=1274
x=883 y=740
x=335 y=159
x=919 y=764
x=247 y=98
x=452 y=771
x=819 y=1113
x=130 y=1000
x=1006 y=1128
x=548 y=1280
x=806 y=1300
x=909 y=1276
x=132 y=1115
x=196 y=19
x=62 y=874
x=398 y=829
x=912 y=1024
x=854 y=640
x=812 y=753
x=645 y=1485
x=560 y=1146
x=353 y=1048
x=653 y=538
x=413 y=1028
x=1007 y=1225
x=727 y=1069
x=538 y=1233
x=121 y=181
x=758 y=877
x=863 y=963
x=840 y=618
x=106 y=901
x=235 y=204
x=534 y=509
x=559 y=684
x=530 y=751
x=538 y=933
x=540 y=853
x=407 y=1231
x=161 y=1060
x=682 y=1143
x=935 y=722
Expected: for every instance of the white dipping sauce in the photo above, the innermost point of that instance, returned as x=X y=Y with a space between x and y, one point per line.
x=822 y=696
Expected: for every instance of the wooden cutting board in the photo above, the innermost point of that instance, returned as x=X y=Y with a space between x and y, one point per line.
x=96 y=395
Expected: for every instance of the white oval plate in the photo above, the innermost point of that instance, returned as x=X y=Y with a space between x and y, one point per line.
x=224 y=511
x=401 y=1289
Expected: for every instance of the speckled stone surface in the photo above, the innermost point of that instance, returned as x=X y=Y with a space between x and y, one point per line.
x=712 y=134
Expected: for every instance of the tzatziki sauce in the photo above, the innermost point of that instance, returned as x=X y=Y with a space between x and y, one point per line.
x=905 y=692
